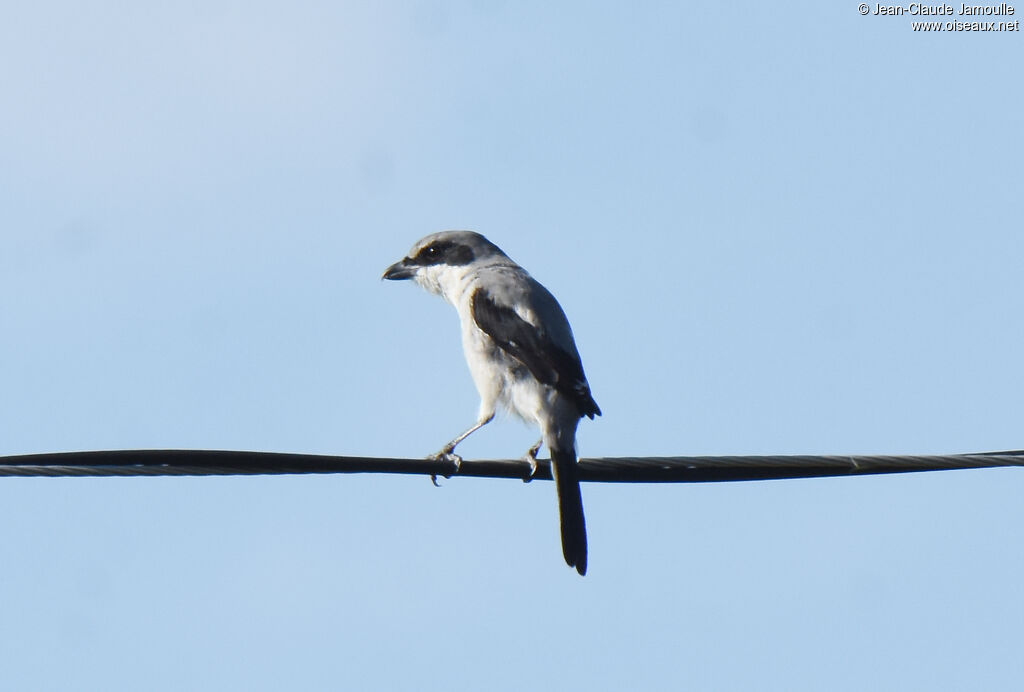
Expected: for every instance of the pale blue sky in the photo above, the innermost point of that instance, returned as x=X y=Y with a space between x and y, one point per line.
x=775 y=229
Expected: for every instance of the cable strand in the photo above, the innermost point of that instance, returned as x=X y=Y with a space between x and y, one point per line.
x=675 y=469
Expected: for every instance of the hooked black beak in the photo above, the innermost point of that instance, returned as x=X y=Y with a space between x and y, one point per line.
x=399 y=270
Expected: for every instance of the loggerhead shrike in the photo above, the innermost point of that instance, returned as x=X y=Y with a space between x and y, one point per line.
x=521 y=354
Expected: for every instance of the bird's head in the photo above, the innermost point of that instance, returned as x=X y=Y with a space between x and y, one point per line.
x=439 y=259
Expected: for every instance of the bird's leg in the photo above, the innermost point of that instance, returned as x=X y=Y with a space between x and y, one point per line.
x=531 y=461
x=447 y=452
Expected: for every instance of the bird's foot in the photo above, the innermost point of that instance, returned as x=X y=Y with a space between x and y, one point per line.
x=531 y=461
x=449 y=456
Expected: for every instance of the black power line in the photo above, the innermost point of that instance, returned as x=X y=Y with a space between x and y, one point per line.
x=693 y=469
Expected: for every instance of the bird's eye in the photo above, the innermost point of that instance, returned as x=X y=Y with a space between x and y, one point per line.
x=430 y=250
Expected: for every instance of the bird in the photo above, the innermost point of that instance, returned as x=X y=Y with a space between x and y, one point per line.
x=521 y=354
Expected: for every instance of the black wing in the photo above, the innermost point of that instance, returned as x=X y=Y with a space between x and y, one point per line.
x=548 y=362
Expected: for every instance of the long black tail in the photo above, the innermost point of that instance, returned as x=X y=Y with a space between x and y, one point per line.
x=570 y=509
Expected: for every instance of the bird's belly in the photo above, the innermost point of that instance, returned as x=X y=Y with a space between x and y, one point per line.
x=522 y=395
x=503 y=379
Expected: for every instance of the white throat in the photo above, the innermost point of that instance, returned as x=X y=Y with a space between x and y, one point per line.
x=446 y=281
